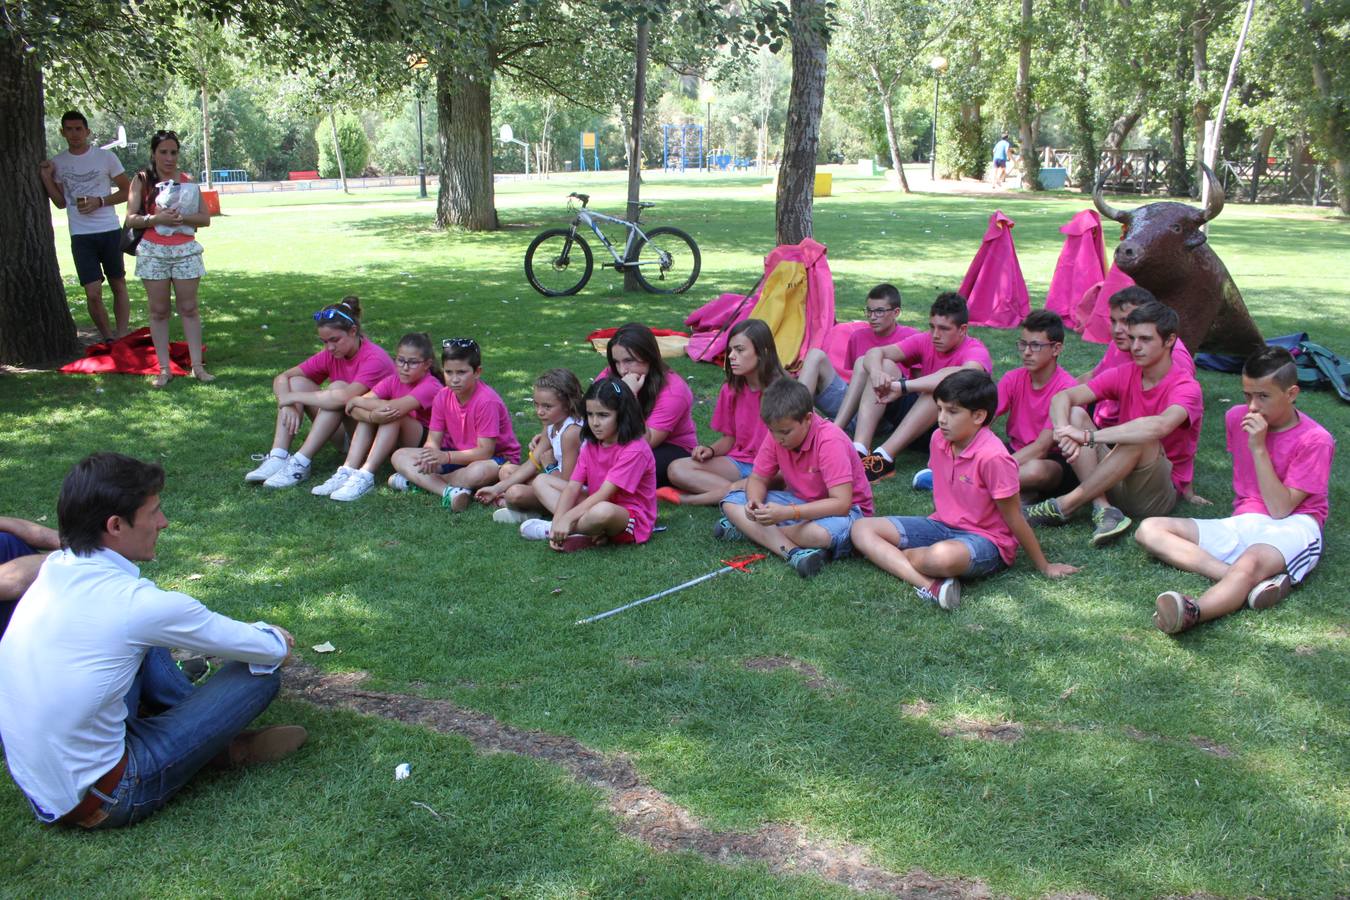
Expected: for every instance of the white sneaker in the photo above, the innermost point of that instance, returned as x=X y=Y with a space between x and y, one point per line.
x=294 y=473
x=271 y=465
x=456 y=499
x=399 y=482
x=508 y=516
x=360 y=484
x=536 y=529
x=335 y=481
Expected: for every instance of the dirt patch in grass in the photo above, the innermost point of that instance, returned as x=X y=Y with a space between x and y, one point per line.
x=814 y=680
x=1305 y=650
x=916 y=710
x=978 y=730
x=644 y=812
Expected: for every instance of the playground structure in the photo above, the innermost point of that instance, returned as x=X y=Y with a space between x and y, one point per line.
x=682 y=145
x=589 y=141
x=725 y=161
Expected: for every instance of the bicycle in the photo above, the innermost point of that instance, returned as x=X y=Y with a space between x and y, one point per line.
x=665 y=260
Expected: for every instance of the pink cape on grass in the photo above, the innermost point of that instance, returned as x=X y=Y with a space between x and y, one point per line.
x=994 y=288
x=1082 y=264
x=1094 y=312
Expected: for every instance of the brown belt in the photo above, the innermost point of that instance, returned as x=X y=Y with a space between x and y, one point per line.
x=89 y=811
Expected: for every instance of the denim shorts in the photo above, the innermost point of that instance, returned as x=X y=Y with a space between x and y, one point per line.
x=831 y=396
x=919 y=531
x=97 y=254
x=838 y=527
x=447 y=468
x=746 y=469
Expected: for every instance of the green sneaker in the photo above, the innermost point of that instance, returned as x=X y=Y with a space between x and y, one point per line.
x=1111 y=523
x=807 y=561
x=1046 y=512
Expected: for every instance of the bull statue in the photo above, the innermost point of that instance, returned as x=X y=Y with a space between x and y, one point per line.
x=1164 y=250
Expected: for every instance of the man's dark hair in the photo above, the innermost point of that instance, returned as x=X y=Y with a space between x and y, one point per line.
x=1272 y=362
x=1158 y=313
x=885 y=291
x=1133 y=295
x=103 y=485
x=786 y=398
x=72 y=115
x=950 y=305
x=970 y=390
x=1046 y=321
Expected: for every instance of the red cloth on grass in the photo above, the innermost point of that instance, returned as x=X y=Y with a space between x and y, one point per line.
x=1082 y=263
x=994 y=288
x=132 y=355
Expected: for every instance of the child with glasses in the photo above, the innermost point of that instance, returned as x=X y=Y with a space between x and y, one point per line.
x=470 y=433
x=837 y=394
x=395 y=413
x=351 y=363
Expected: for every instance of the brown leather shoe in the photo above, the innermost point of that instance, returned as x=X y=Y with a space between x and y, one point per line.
x=266 y=745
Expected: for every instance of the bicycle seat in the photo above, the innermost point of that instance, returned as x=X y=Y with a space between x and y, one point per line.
x=584 y=198
x=645 y=205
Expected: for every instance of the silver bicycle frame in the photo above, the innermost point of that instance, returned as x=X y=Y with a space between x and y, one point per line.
x=588 y=218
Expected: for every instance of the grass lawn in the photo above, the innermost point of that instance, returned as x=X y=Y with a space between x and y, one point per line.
x=1140 y=764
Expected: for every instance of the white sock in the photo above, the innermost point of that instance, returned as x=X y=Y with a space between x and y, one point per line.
x=302 y=459
x=860 y=448
x=279 y=453
x=881 y=451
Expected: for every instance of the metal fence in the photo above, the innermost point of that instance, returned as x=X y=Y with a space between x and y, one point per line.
x=1271 y=180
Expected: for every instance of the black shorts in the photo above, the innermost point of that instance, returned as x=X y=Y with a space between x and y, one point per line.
x=666 y=454
x=98 y=254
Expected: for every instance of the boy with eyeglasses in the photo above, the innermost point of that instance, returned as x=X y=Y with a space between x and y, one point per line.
x=470 y=436
x=835 y=396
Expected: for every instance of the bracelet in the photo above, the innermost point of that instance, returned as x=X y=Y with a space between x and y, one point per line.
x=796 y=513
x=1089 y=438
x=904 y=386
x=537 y=464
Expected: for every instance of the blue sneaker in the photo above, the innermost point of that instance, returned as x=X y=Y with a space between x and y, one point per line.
x=807 y=561
x=923 y=480
x=725 y=531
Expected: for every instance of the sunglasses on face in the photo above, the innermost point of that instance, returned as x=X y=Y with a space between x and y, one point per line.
x=328 y=315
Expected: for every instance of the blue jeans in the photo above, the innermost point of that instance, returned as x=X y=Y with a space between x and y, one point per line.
x=918 y=531
x=184 y=729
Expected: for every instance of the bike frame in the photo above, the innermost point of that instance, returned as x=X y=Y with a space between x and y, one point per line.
x=590 y=219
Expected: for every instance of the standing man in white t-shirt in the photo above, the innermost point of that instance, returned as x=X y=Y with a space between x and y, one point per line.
x=81 y=181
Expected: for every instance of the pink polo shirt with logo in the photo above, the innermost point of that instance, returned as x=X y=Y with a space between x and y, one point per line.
x=631 y=468
x=966 y=484
x=424 y=390
x=824 y=458
x=1125 y=385
x=864 y=339
x=923 y=359
x=1027 y=406
x=369 y=365
x=1106 y=413
x=1301 y=457
x=737 y=415
x=484 y=415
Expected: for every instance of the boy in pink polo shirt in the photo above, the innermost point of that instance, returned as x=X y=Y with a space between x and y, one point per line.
x=977 y=521
x=835 y=397
x=1024 y=395
x=1281 y=471
x=1142 y=466
x=1123 y=302
x=826 y=488
x=469 y=438
x=905 y=402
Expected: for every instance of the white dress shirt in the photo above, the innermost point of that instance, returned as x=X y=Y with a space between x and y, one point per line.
x=70 y=654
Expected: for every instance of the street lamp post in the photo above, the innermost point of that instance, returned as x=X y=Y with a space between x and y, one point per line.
x=707 y=93
x=939 y=65
x=421 y=151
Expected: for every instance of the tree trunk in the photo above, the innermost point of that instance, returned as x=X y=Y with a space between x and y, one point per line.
x=464 y=197
x=35 y=324
x=1333 y=119
x=630 y=282
x=1120 y=129
x=892 y=141
x=1085 y=140
x=1178 y=180
x=801 y=140
x=1200 y=85
x=1029 y=159
x=337 y=151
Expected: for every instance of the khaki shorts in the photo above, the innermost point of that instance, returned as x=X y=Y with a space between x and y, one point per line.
x=1147 y=491
x=158 y=262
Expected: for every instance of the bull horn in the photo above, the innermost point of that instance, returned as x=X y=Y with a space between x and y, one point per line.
x=1215 y=204
x=1105 y=208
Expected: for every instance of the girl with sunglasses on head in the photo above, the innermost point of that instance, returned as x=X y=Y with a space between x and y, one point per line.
x=395 y=413
x=351 y=363
x=611 y=494
x=168 y=206
x=666 y=401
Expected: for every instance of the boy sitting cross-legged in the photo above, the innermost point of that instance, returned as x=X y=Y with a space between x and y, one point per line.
x=1123 y=302
x=1025 y=394
x=826 y=487
x=977 y=521
x=1281 y=469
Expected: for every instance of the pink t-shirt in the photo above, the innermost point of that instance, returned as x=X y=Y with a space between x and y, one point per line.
x=424 y=390
x=864 y=339
x=965 y=487
x=485 y=415
x=1125 y=385
x=368 y=366
x=824 y=459
x=631 y=468
x=1300 y=455
x=923 y=359
x=1028 y=407
x=1106 y=413
x=737 y=414
x=672 y=412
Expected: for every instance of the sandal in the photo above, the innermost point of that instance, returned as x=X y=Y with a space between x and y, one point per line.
x=200 y=373
x=162 y=379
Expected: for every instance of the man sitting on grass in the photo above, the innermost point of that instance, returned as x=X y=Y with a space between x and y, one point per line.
x=100 y=728
x=1142 y=466
x=931 y=357
x=1281 y=469
x=1123 y=302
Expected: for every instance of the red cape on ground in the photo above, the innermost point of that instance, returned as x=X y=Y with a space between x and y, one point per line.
x=1094 y=312
x=1082 y=263
x=994 y=287
x=132 y=355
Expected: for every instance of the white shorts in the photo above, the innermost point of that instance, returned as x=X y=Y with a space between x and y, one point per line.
x=159 y=262
x=1298 y=538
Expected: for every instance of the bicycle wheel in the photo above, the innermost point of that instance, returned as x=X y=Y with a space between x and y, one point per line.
x=552 y=264
x=668 y=261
